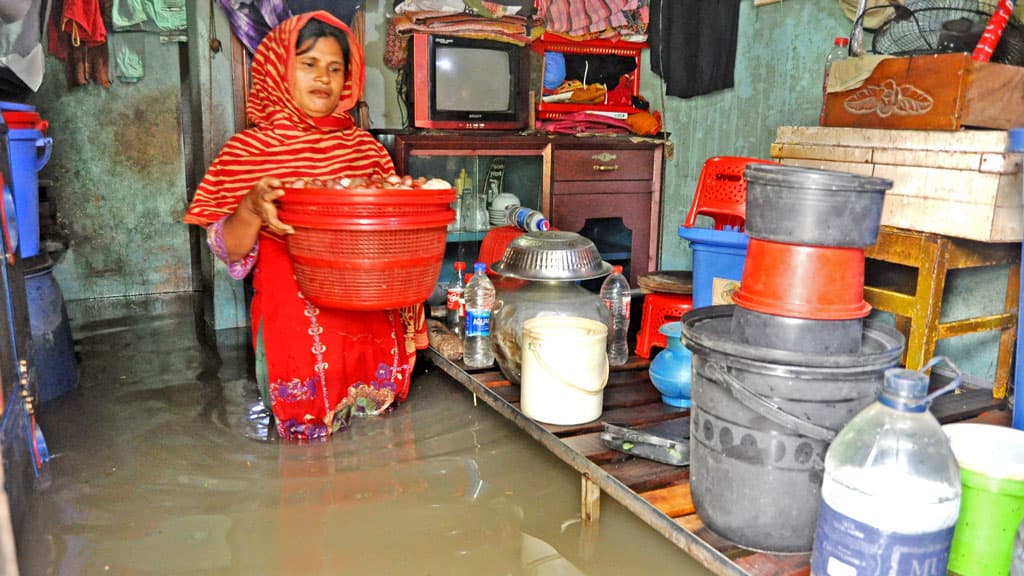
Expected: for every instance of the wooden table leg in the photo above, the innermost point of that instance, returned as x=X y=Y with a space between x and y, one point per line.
x=590 y=501
x=931 y=281
x=1008 y=337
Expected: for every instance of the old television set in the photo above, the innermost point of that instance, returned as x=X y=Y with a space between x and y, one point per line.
x=460 y=83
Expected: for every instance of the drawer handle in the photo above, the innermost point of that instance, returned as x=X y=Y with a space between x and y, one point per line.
x=603 y=168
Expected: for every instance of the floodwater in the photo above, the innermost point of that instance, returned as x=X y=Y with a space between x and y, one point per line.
x=159 y=465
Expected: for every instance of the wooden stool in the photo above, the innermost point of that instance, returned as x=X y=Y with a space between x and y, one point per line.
x=918 y=306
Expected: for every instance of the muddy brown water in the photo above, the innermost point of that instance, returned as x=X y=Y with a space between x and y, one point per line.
x=160 y=465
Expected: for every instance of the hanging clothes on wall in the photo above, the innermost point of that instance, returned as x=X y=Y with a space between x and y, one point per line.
x=693 y=44
x=77 y=34
x=149 y=15
x=22 y=59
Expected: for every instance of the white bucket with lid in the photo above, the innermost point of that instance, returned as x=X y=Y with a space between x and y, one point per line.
x=564 y=369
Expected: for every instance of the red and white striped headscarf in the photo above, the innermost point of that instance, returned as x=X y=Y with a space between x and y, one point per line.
x=286 y=142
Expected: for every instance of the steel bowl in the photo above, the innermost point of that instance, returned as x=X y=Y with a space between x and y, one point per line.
x=552 y=255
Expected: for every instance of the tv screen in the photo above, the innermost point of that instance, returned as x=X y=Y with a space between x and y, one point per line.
x=461 y=83
x=472 y=79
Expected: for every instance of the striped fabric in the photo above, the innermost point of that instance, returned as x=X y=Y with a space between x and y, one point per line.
x=582 y=17
x=320 y=364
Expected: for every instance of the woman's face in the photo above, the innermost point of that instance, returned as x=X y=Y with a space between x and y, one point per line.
x=319 y=77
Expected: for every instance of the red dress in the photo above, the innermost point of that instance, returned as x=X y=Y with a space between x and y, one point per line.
x=321 y=364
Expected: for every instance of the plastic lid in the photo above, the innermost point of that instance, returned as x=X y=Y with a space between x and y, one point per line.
x=616 y=269
x=460 y=265
x=841 y=41
x=904 y=389
x=479 y=268
x=1015 y=142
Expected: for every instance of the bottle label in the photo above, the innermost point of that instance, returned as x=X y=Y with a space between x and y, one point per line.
x=478 y=322
x=454 y=297
x=846 y=547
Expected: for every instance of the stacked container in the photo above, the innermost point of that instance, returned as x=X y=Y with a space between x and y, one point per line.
x=778 y=374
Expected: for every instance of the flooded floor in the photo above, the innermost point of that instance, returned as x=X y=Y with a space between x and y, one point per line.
x=160 y=466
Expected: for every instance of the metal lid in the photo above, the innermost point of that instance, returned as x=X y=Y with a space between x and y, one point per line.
x=552 y=255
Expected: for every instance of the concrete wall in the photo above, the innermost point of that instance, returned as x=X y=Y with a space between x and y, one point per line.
x=118 y=177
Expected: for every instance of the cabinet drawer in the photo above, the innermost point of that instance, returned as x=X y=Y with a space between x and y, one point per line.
x=601 y=164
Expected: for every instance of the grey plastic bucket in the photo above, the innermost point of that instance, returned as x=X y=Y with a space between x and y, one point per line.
x=813 y=207
x=761 y=422
x=796 y=334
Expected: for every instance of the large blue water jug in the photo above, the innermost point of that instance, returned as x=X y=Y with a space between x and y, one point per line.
x=29 y=150
x=53 y=354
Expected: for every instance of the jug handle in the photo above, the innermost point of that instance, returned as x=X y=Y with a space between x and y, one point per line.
x=46 y=143
x=547 y=368
x=767 y=408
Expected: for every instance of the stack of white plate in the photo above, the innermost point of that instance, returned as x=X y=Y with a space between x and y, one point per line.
x=496 y=211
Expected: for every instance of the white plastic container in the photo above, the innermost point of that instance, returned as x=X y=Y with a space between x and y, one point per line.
x=565 y=369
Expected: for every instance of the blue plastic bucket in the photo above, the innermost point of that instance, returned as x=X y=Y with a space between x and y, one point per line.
x=29 y=150
x=718 y=257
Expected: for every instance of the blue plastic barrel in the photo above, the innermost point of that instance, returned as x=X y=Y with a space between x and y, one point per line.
x=53 y=354
x=29 y=150
x=718 y=255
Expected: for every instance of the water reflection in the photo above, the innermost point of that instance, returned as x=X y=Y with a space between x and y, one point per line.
x=156 y=470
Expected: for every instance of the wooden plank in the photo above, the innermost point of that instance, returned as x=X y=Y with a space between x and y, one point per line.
x=931 y=92
x=631 y=416
x=672 y=500
x=965 y=404
x=642 y=475
x=993 y=90
x=980 y=141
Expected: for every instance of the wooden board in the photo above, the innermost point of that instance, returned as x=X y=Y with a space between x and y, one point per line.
x=931 y=92
x=960 y=184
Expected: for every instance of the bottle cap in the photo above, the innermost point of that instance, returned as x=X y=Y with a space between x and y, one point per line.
x=460 y=265
x=841 y=41
x=616 y=269
x=479 y=268
x=904 y=390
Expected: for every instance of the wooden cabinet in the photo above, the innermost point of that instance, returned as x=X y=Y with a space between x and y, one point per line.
x=608 y=188
x=610 y=192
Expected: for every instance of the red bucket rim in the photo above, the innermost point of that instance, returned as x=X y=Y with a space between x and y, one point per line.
x=809 y=282
x=24 y=120
x=374 y=196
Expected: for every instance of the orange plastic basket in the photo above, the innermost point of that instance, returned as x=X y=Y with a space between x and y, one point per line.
x=368 y=250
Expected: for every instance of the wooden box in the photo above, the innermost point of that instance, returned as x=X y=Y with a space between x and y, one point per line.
x=931 y=92
x=960 y=184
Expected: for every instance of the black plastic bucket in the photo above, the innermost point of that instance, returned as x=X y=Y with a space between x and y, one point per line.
x=796 y=334
x=761 y=422
x=813 y=207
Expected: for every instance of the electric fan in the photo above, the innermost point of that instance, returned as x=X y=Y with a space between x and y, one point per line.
x=939 y=26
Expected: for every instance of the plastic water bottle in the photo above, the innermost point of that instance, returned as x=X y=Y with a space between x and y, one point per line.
x=477 y=351
x=891 y=490
x=616 y=296
x=456 y=301
x=840 y=51
x=526 y=219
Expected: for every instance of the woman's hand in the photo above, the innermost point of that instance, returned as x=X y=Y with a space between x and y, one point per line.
x=260 y=201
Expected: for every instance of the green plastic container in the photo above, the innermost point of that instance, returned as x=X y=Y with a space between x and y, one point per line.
x=991 y=462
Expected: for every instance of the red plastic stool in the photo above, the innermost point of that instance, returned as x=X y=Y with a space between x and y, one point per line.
x=659 y=308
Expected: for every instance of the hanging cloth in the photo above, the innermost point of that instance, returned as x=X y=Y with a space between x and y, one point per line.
x=693 y=44
x=77 y=35
x=22 y=58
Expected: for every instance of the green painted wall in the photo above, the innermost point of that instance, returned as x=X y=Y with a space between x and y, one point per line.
x=118 y=179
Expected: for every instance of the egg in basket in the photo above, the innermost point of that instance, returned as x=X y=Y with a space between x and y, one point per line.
x=367 y=243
